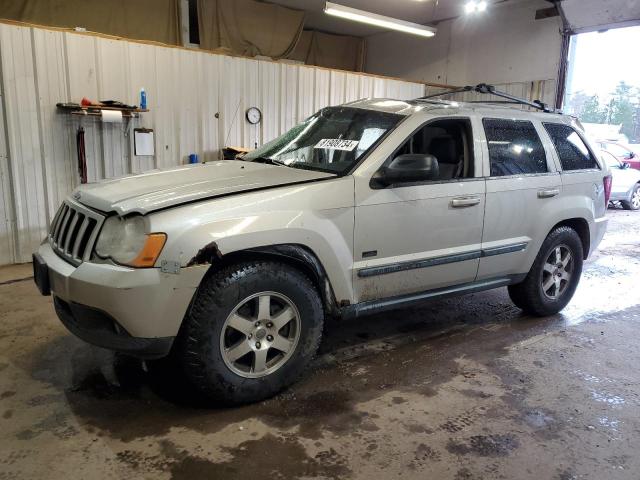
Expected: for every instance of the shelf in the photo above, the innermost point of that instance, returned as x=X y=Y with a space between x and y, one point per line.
x=125 y=113
x=95 y=110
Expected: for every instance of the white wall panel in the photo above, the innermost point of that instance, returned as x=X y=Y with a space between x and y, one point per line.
x=306 y=92
x=251 y=97
x=23 y=134
x=322 y=89
x=288 y=96
x=337 y=85
x=57 y=146
x=366 y=87
x=270 y=91
x=231 y=115
x=351 y=87
x=208 y=88
x=7 y=222
x=197 y=103
x=143 y=74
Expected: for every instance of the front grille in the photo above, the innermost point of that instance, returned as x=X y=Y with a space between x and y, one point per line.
x=73 y=232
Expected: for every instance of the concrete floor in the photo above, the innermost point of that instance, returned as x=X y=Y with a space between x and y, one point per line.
x=466 y=388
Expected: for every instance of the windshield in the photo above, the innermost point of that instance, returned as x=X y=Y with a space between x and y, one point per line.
x=332 y=140
x=610 y=159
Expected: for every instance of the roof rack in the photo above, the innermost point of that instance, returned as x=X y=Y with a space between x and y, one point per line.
x=491 y=90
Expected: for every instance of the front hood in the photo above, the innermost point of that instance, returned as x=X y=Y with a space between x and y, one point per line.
x=158 y=189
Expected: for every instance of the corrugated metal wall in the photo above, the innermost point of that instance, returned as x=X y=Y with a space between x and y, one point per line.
x=186 y=89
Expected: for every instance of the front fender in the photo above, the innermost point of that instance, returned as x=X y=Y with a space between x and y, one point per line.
x=318 y=216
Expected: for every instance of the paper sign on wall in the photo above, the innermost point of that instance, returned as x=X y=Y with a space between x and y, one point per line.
x=337 y=144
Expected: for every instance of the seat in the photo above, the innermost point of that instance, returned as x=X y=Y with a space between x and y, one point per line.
x=450 y=161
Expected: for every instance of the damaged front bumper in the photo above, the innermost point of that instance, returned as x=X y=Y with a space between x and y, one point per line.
x=134 y=310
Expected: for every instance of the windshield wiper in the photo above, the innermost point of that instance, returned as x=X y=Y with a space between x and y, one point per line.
x=268 y=160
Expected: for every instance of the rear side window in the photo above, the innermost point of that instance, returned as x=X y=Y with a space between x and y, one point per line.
x=573 y=153
x=514 y=147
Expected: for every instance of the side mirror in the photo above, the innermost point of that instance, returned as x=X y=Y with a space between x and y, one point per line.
x=410 y=167
x=625 y=165
x=632 y=154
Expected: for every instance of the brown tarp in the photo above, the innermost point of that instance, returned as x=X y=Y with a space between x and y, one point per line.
x=248 y=27
x=156 y=20
x=332 y=51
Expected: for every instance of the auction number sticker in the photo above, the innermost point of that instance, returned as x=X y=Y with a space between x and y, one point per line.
x=337 y=144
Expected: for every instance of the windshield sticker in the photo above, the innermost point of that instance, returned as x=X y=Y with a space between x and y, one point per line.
x=337 y=144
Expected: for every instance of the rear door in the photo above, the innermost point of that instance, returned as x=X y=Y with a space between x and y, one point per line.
x=523 y=190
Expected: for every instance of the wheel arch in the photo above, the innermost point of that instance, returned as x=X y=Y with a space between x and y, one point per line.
x=581 y=227
x=295 y=255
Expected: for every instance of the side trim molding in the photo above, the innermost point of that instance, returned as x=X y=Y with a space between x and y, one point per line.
x=399 y=267
x=402 y=301
x=516 y=247
x=432 y=262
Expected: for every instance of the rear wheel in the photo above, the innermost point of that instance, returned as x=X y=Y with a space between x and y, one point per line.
x=253 y=329
x=554 y=275
x=634 y=200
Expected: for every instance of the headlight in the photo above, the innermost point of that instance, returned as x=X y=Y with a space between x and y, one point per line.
x=126 y=241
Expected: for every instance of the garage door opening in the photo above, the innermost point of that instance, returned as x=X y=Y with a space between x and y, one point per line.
x=603 y=85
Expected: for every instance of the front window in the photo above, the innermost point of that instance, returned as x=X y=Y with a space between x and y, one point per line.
x=332 y=140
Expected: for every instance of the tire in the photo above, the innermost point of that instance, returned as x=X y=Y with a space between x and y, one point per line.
x=634 y=200
x=208 y=342
x=530 y=295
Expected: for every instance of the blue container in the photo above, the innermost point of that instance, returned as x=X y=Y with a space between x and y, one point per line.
x=143 y=99
x=193 y=158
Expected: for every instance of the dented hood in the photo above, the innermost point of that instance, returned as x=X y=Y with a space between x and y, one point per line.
x=165 y=188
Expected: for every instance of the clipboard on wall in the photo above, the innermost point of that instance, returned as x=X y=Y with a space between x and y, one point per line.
x=143 y=142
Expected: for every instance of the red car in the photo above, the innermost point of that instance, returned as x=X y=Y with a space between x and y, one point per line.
x=621 y=152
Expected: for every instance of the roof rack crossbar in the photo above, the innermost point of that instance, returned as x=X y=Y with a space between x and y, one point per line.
x=491 y=90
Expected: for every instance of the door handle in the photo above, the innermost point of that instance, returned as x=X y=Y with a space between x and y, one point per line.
x=463 y=202
x=548 y=193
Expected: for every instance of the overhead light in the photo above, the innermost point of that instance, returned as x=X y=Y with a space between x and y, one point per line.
x=378 y=20
x=473 y=6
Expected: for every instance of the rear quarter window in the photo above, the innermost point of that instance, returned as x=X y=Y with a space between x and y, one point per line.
x=571 y=149
x=514 y=147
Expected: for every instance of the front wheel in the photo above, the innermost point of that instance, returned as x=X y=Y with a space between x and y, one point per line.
x=554 y=275
x=253 y=329
x=634 y=201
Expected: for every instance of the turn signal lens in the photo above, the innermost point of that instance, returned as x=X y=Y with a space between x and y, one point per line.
x=150 y=251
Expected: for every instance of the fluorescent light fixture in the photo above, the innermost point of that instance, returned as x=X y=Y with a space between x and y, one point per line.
x=470 y=7
x=481 y=6
x=378 y=20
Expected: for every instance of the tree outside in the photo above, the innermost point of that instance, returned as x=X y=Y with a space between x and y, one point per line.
x=603 y=80
x=622 y=108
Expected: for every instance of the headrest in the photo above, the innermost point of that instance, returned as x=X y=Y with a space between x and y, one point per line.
x=444 y=149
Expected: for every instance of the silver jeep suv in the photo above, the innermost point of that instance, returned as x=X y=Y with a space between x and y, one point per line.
x=232 y=266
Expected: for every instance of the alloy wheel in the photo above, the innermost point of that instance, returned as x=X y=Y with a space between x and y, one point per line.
x=635 y=199
x=557 y=271
x=260 y=334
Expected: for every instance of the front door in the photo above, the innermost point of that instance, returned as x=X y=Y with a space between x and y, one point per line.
x=416 y=237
